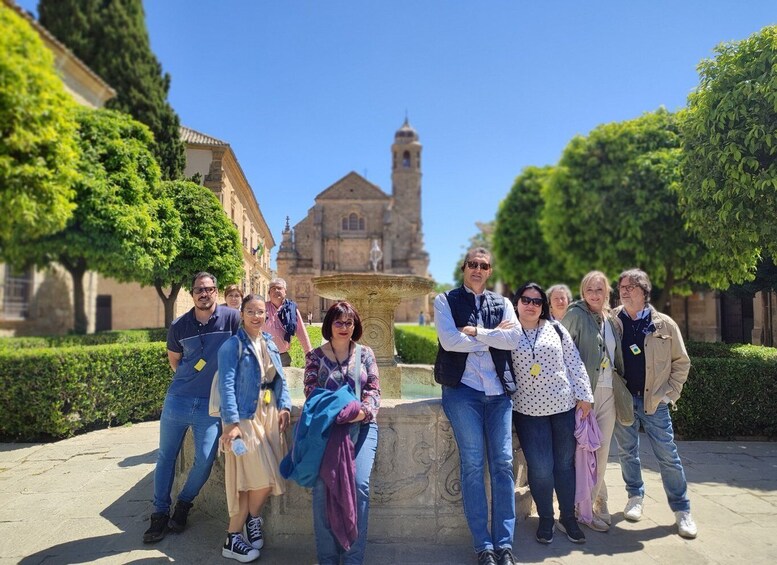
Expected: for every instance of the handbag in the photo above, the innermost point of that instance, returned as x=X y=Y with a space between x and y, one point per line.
x=214 y=402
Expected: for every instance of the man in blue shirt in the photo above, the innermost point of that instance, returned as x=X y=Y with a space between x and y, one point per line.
x=193 y=341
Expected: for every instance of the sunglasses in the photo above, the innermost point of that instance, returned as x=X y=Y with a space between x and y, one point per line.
x=475 y=264
x=203 y=290
x=348 y=324
x=526 y=300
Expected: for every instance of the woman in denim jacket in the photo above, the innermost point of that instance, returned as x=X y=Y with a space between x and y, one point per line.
x=255 y=410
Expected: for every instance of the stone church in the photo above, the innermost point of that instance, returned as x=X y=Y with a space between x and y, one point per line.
x=338 y=233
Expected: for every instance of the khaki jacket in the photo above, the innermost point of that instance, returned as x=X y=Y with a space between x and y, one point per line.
x=585 y=331
x=666 y=360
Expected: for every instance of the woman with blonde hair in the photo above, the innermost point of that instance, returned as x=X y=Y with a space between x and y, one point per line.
x=599 y=344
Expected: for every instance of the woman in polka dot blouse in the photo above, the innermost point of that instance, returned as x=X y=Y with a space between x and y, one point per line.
x=552 y=383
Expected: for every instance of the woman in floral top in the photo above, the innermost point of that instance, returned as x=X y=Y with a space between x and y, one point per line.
x=331 y=366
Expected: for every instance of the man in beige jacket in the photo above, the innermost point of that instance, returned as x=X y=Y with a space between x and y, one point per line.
x=656 y=366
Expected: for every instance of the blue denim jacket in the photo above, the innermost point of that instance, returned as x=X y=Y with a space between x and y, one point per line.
x=240 y=388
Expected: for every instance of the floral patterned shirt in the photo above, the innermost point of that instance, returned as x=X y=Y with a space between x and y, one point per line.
x=320 y=371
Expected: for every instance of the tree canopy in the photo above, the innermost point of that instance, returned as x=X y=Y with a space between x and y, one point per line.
x=38 y=151
x=111 y=37
x=118 y=225
x=611 y=204
x=208 y=242
x=729 y=195
x=519 y=246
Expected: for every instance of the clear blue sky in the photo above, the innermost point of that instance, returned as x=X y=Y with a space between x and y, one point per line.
x=306 y=92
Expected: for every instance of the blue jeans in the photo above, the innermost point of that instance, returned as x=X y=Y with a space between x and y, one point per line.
x=658 y=428
x=549 y=444
x=178 y=415
x=481 y=426
x=328 y=551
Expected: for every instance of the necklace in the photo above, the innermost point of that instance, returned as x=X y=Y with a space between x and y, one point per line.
x=343 y=366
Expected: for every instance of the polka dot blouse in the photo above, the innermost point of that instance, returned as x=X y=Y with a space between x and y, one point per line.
x=551 y=375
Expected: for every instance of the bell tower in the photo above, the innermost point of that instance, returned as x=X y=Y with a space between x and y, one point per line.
x=406 y=176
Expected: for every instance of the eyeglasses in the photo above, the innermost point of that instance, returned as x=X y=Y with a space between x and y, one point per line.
x=254 y=313
x=475 y=264
x=203 y=290
x=348 y=324
x=526 y=300
x=627 y=287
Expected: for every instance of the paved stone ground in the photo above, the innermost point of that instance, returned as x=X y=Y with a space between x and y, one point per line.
x=87 y=500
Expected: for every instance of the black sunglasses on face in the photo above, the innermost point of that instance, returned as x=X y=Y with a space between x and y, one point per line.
x=526 y=300
x=475 y=264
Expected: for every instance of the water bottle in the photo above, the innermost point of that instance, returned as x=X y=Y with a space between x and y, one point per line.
x=239 y=447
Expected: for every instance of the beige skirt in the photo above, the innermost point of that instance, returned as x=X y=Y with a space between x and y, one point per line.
x=259 y=468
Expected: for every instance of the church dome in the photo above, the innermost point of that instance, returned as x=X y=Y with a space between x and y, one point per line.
x=406 y=134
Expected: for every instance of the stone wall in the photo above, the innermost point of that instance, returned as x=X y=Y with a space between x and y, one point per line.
x=416 y=492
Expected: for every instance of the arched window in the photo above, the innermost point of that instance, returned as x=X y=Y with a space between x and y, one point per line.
x=353 y=222
x=406 y=159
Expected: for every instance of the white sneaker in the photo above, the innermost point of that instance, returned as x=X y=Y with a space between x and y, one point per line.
x=602 y=512
x=596 y=524
x=686 y=527
x=633 y=510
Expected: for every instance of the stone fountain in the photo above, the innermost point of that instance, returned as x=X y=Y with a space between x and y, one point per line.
x=376 y=297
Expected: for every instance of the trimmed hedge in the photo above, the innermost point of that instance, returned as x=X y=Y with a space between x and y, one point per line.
x=718 y=350
x=416 y=344
x=56 y=392
x=73 y=340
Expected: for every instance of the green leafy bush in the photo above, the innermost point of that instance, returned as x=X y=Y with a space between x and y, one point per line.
x=717 y=350
x=56 y=392
x=297 y=355
x=728 y=398
x=73 y=340
x=416 y=344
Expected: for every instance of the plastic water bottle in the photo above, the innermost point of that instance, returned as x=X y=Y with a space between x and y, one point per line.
x=239 y=447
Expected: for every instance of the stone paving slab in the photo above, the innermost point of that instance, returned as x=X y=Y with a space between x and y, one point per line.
x=87 y=500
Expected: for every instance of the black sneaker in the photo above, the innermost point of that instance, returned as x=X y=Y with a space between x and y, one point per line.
x=487 y=557
x=504 y=556
x=236 y=548
x=571 y=529
x=545 y=530
x=158 y=528
x=178 y=521
x=254 y=531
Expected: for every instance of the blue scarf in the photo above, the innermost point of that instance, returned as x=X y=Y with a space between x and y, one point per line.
x=287 y=314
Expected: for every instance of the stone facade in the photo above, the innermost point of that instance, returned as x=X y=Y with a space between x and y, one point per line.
x=338 y=233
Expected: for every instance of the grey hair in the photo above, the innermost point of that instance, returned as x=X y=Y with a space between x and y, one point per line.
x=277 y=281
x=477 y=251
x=639 y=278
x=560 y=287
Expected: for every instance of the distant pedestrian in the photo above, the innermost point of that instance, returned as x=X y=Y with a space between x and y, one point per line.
x=421 y=319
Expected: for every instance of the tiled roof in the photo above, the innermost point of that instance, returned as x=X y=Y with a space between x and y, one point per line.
x=189 y=135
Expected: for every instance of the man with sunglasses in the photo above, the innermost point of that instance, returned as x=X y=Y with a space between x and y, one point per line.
x=477 y=329
x=193 y=342
x=656 y=366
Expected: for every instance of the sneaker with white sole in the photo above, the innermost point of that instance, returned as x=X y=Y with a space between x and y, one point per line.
x=633 y=510
x=254 y=533
x=596 y=524
x=602 y=512
x=686 y=527
x=238 y=549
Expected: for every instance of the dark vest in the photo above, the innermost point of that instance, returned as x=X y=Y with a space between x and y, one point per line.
x=449 y=365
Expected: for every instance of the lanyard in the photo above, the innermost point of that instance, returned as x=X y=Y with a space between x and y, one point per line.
x=532 y=344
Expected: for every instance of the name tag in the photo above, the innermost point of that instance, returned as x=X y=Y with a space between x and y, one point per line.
x=199 y=365
x=634 y=348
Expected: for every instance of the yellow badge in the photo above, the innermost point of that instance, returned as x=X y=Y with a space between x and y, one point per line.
x=266 y=397
x=198 y=366
x=535 y=370
x=605 y=362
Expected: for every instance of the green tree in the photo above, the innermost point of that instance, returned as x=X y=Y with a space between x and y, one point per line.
x=729 y=195
x=38 y=151
x=116 y=228
x=208 y=242
x=519 y=246
x=111 y=37
x=611 y=204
